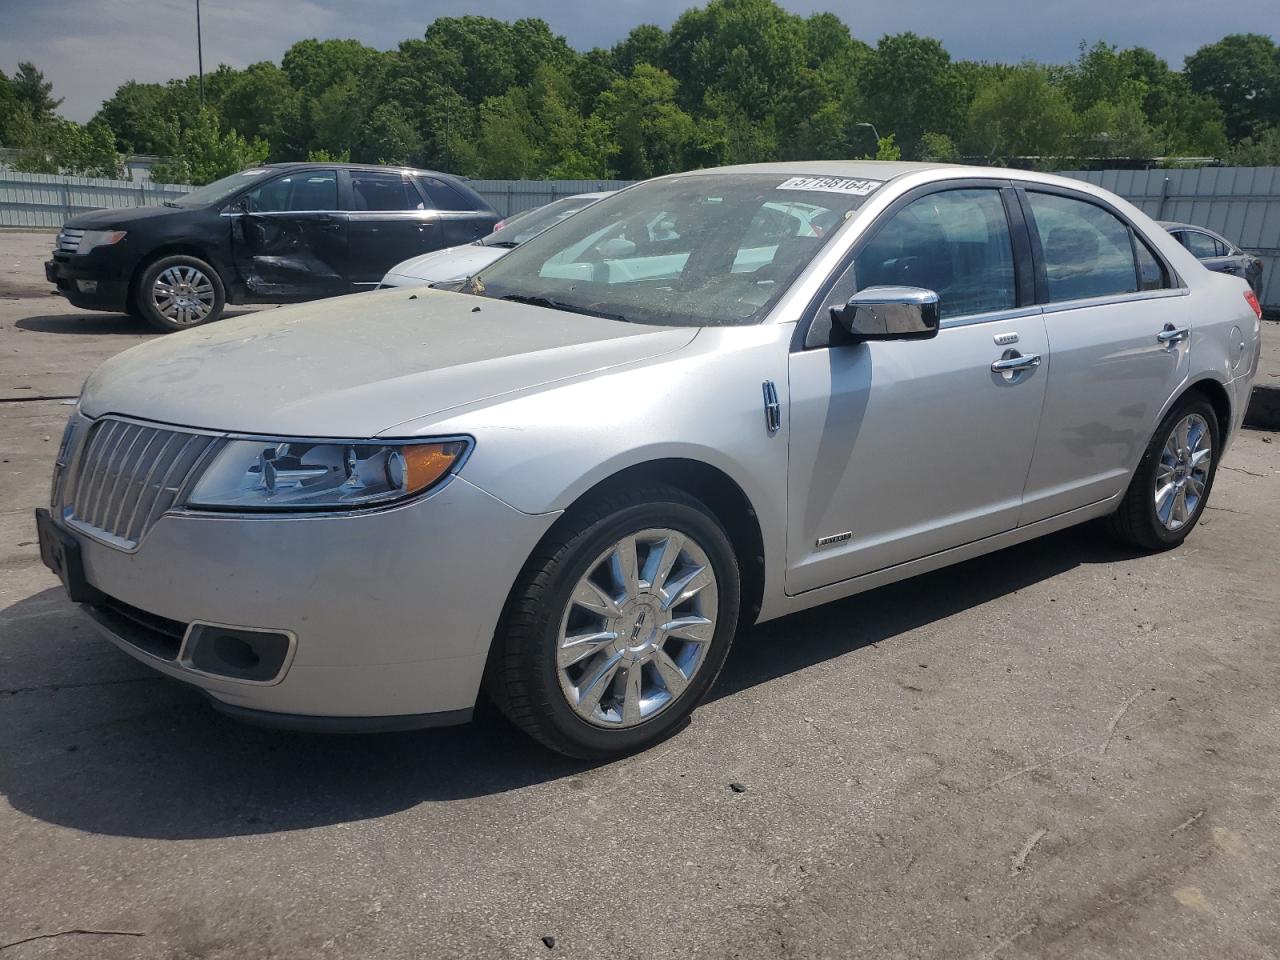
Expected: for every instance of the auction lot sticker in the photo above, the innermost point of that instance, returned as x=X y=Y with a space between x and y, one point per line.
x=858 y=188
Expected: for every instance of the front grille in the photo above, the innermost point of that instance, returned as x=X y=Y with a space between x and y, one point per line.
x=69 y=240
x=125 y=478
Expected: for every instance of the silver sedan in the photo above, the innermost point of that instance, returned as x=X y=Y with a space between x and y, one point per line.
x=707 y=401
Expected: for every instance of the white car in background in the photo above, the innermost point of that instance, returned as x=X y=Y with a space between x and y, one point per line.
x=458 y=263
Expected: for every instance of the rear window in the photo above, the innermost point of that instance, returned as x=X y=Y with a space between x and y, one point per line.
x=443 y=196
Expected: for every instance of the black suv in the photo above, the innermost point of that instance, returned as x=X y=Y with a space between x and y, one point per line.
x=273 y=234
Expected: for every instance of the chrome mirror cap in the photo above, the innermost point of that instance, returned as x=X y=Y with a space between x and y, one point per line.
x=890 y=313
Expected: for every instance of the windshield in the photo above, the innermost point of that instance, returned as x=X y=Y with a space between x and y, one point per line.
x=527 y=225
x=689 y=250
x=221 y=190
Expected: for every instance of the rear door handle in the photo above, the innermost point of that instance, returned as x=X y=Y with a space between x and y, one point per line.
x=1016 y=362
x=1171 y=334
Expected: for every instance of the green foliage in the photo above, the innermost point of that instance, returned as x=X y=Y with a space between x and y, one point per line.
x=205 y=153
x=1242 y=74
x=731 y=81
x=1264 y=151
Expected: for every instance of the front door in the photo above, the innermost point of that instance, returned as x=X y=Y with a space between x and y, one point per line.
x=289 y=239
x=901 y=449
x=390 y=222
x=1120 y=334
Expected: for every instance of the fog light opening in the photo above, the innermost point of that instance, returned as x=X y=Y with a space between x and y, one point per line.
x=235 y=652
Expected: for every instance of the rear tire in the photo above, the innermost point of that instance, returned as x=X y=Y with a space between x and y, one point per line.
x=179 y=292
x=593 y=668
x=1171 y=486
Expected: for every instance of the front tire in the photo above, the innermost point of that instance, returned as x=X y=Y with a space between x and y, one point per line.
x=618 y=624
x=179 y=292
x=1171 y=486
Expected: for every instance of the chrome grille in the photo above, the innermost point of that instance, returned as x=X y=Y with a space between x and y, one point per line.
x=127 y=475
x=69 y=240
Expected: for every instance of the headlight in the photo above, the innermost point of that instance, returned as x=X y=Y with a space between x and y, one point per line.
x=99 y=238
x=304 y=475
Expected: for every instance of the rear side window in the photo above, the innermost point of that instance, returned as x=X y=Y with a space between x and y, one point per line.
x=1087 y=251
x=955 y=243
x=383 y=192
x=443 y=196
x=313 y=190
x=1151 y=272
x=1202 y=246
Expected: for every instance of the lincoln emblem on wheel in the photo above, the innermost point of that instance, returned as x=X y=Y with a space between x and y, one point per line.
x=568 y=481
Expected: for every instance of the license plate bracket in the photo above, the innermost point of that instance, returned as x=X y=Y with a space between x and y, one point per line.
x=61 y=553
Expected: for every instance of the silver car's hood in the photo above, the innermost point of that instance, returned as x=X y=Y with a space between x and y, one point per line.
x=452 y=263
x=357 y=366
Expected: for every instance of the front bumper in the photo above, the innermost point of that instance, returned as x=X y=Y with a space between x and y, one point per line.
x=390 y=613
x=98 y=280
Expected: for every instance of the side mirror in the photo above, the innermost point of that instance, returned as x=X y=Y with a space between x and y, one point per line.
x=890 y=313
x=237 y=207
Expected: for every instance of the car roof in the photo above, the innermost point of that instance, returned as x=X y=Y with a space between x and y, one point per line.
x=382 y=167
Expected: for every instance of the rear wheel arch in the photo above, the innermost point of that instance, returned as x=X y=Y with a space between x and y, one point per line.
x=1216 y=394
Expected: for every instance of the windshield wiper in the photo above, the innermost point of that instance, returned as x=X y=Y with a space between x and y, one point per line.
x=539 y=301
x=503 y=243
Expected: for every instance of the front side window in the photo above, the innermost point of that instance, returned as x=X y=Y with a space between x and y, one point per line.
x=696 y=249
x=313 y=190
x=1087 y=250
x=955 y=243
x=384 y=192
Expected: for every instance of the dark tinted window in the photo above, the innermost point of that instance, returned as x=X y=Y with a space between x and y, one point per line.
x=383 y=191
x=955 y=243
x=1201 y=245
x=1087 y=252
x=1151 y=272
x=443 y=196
x=313 y=190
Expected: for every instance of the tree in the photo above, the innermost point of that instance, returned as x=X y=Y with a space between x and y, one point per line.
x=653 y=134
x=1242 y=73
x=30 y=86
x=61 y=146
x=1023 y=116
x=389 y=136
x=1264 y=151
x=260 y=99
x=910 y=87
x=206 y=153
x=938 y=148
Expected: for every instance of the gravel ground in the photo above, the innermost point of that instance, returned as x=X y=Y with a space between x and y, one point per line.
x=1060 y=750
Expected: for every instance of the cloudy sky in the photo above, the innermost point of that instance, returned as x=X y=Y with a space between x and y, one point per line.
x=88 y=47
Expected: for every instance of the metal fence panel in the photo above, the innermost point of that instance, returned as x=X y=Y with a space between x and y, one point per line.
x=1241 y=203
x=46 y=200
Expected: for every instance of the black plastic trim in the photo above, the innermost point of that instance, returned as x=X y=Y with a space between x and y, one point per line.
x=305 y=723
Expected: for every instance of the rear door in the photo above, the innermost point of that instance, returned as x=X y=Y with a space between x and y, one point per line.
x=1215 y=254
x=901 y=449
x=289 y=238
x=462 y=219
x=390 y=221
x=1119 y=328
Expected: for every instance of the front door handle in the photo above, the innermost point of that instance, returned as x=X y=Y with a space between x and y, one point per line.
x=1171 y=334
x=1013 y=361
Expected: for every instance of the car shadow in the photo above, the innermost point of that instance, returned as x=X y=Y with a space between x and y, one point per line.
x=96 y=742
x=97 y=324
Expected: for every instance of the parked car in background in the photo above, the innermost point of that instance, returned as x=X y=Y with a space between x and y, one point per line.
x=715 y=399
x=1218 y=253
x=278 y=233
x=457 y=263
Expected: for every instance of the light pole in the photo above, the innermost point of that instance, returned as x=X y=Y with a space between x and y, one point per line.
x=199 y=53
x=869 y=126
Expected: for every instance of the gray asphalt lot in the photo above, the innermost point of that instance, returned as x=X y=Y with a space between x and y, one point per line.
x=1060 y=750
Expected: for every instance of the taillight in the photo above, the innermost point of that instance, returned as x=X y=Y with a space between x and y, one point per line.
x=1253 y=302
x=499 y=225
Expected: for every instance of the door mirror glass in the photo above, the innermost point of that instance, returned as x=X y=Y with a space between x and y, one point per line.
x=890 y=313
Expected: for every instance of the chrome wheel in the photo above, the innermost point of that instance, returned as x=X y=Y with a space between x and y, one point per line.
x=183 y=294
x=637 y=628
x=1183 y=471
